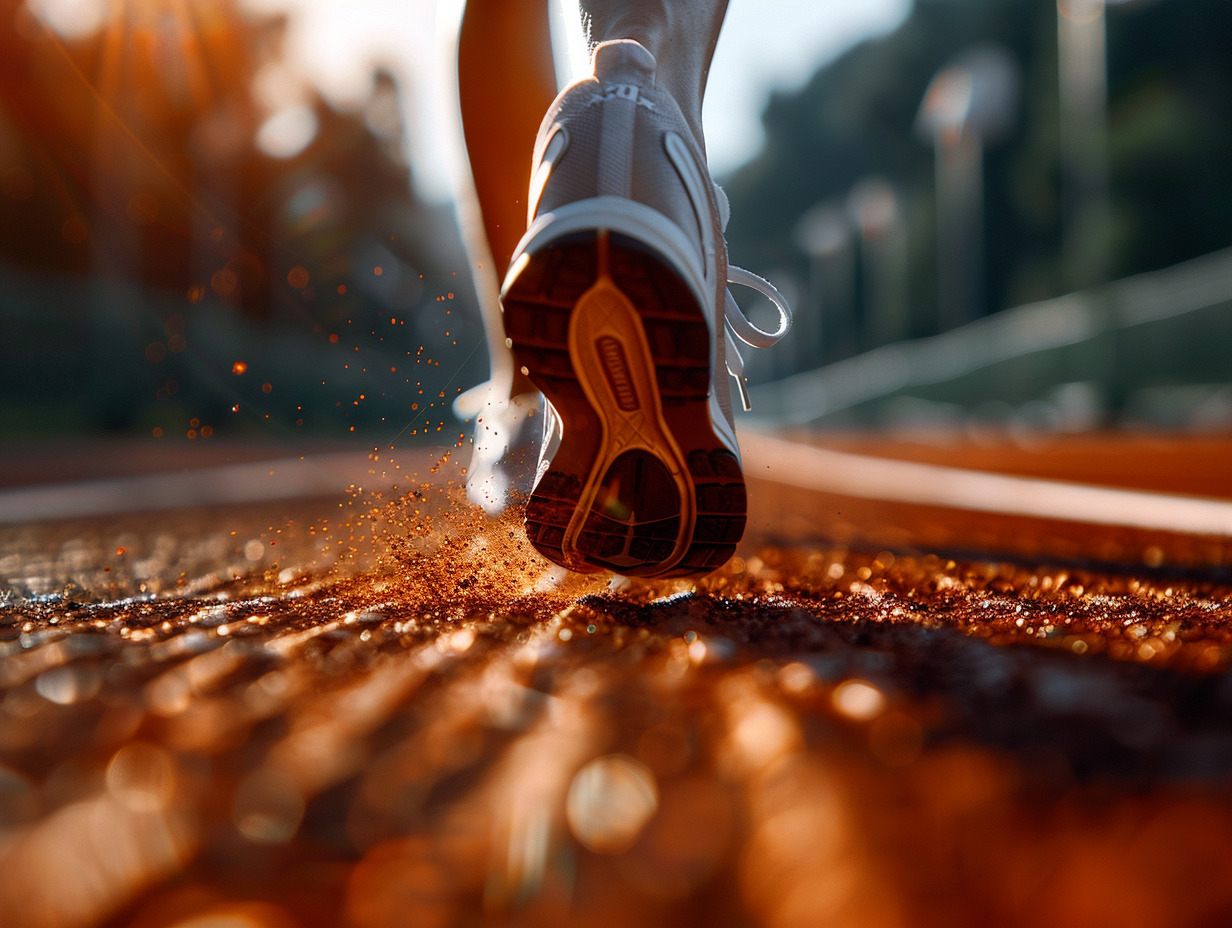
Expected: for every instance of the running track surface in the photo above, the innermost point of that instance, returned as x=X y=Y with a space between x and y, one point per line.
x=944 y=683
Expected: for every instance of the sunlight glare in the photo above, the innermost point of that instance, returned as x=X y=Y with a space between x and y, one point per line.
x=288 y=132
x=70 y=19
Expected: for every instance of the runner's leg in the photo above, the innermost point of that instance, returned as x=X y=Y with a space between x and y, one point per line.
x=681 y=34
x=506 y=81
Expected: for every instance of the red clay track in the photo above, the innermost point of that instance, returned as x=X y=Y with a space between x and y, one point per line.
x=348 y=712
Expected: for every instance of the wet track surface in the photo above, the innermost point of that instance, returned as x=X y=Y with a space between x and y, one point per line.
x=391 y=711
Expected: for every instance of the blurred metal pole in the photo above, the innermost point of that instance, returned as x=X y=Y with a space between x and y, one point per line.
x=1083 y=86
x=877 y=215
x=945 y=120
x=827 y=330
x=960 y=227
x=968 y=103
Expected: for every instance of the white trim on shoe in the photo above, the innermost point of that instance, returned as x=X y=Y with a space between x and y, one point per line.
x=625 y=217
x=664 y=238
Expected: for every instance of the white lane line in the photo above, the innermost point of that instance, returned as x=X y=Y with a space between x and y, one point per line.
x=261 y=481
x=862 y=476
x=235 y=483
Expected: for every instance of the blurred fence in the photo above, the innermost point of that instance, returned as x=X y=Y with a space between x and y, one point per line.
x=1151 y=349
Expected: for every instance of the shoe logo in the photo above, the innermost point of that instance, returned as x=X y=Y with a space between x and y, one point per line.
x=616 y=367
x=624 y=91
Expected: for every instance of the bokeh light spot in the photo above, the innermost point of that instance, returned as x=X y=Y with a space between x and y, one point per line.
x=287 y=132
x=72 y=19
x=268 y=807
x=610 y=801
x=142 y=777
x=225 y=282
x=858 y=700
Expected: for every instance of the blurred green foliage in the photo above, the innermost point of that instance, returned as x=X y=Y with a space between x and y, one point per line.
x=1170 y=144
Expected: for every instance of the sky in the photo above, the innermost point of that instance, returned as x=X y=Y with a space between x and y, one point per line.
x=765 y=45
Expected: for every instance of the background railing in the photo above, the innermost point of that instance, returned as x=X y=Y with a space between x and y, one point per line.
x=1153 y=349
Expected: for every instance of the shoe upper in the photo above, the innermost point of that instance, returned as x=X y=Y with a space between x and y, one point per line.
x=607 y=302
x=617 y=134
x=615 y=152
x=616 y=138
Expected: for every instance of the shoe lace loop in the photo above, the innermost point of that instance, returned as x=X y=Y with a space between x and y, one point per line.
x=736 y=323
x=739 y=323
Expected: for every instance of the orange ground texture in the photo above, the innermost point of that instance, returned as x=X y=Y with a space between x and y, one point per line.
x=386 y=709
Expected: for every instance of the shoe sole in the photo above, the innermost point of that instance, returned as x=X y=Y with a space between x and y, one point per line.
x=641 y=483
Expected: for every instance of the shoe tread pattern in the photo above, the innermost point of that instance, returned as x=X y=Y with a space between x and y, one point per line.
x=538 y=305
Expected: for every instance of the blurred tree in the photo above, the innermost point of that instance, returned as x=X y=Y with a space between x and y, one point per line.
x=1170 y=87
x=173 y=199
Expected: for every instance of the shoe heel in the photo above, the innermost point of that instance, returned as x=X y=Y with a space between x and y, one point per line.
x=640 y=484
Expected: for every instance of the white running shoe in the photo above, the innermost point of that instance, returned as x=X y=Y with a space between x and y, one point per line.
x=617 y=308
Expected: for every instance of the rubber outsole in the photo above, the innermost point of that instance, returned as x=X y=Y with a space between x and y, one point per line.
x=641 y=483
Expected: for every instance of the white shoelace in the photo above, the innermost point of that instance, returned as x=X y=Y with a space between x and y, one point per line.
x=735 y=323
